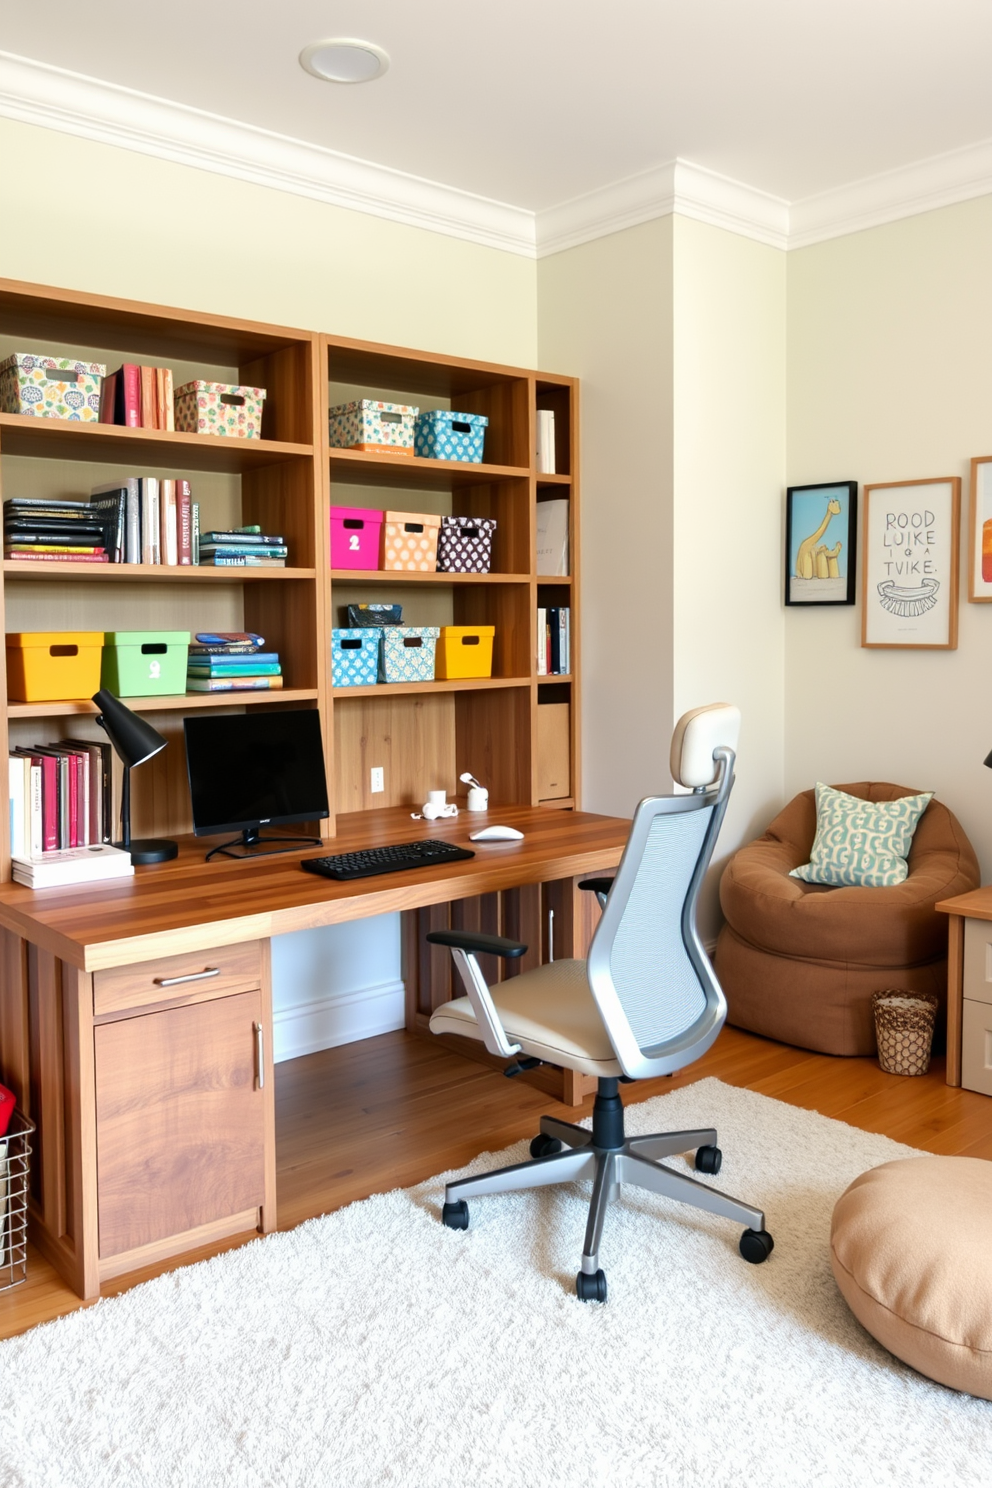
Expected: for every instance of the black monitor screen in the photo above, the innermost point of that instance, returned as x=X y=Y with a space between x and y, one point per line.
x=252 y=768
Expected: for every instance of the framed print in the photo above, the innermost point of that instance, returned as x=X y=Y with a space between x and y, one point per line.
x=980 y=545
x=821 y=531
x=910 y=564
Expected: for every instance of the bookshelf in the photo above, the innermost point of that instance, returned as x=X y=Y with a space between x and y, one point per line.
x=423 y=734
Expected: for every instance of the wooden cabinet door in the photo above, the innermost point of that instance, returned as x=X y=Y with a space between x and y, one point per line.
x=180 y=1120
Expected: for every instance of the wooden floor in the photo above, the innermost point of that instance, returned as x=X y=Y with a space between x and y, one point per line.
x=391 y=1111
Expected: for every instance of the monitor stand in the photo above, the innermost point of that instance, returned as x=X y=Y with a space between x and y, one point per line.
x=251 y=844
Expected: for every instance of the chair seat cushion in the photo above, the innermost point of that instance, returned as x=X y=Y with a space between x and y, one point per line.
x=549 y=1012
x=910 y=1251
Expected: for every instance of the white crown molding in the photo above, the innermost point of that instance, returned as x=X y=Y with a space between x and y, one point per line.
x=34 y=93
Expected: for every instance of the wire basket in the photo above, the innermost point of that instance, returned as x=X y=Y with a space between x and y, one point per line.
x=904 y=1023
x=15 y=1166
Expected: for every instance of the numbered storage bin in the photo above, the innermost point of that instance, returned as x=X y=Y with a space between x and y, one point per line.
x=219 y=408
x=373 y=427
x=465 y=544
x=407 y=653
x=145 y=663
x=50 y=666
x=440 y=435
x=354 y=657
x=356 y=535
x=51 y=387
x=409 y=541
x=465 y=651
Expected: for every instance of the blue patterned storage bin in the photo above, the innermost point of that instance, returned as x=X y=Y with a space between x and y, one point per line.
x=407 y=653
x=354 y=657
x=440 y=435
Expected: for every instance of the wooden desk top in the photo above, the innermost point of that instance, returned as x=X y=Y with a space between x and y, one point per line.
x=975 y=905
x=190 y=905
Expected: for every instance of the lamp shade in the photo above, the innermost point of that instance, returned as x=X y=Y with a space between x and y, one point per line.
x=988 y=760
x=133 y=739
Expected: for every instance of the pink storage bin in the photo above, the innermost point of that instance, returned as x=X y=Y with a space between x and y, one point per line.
x=355 y=537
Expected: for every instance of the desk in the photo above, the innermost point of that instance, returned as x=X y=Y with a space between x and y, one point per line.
x=969 y=989
x=136 y=1018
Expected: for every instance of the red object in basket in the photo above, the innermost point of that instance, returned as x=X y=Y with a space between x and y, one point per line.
x=7 y=1103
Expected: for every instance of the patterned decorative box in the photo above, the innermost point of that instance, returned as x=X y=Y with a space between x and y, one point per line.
x=440 y=435
x=354 y=657
x=219 y=408
x=367 y=615
x=465 y=651
x=465 y=544
x=409 y=541
x=407 y=653
x=355 y=537
x=51 y=387
x=373 y=427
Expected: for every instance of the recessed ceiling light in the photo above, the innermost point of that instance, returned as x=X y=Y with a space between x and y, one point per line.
x=342 y=59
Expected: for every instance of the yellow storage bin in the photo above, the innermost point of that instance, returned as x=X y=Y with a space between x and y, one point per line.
x=465 y=651
x=48 y=666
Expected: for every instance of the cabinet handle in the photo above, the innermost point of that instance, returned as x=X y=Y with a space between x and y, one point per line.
x=551 y=936
x=194 y=976
x=259 y=1056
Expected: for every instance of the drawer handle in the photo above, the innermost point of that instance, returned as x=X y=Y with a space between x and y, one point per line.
x=259 y=1057
x=194 y=976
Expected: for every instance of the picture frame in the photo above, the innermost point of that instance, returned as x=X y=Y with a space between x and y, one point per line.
x=821 y=541
x=980 y=529
x=909 y=569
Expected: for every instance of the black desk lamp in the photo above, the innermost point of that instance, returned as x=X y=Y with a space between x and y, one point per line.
x=135 y=741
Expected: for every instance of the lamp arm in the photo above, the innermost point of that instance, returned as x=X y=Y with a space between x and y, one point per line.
x=126 y=809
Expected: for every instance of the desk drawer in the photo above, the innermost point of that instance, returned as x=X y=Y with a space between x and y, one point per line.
x=977 y=980
x=976 y=1047
x=236 y=968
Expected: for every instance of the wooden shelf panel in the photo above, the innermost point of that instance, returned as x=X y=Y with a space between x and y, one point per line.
x=397 y=576
x=453 y=684
x=60 y=439
x=164 y=704
x=554 y=677
x=548 y=580
x=359 y=469
x=543 y=479
x=155 y=572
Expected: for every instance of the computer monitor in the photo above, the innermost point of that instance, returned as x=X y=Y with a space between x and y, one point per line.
x=252 y=770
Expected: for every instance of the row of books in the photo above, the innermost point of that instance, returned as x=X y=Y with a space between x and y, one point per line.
x=554 y=648
x=243 y=547
x=138 y=397
x=139 y=519
x=232 y=661
x=60 y=796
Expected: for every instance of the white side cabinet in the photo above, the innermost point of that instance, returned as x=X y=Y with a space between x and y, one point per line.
x=976 y=1007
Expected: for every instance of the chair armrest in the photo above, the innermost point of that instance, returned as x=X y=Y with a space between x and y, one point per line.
x=597 y=885
x=475 y=942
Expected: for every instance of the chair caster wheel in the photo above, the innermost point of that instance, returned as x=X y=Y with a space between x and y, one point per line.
x=455 y=1216
x=542 y=1146
x=591 y=1288
x=756 y=1246
x=709 y=1160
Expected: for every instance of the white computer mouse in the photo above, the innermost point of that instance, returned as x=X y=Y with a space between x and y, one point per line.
x=496 y=834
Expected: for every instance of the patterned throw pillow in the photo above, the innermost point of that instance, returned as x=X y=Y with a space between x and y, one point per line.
x=861 y=842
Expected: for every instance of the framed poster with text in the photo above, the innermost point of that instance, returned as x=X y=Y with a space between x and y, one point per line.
x=909 y=587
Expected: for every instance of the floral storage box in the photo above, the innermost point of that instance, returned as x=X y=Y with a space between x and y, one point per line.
x=440 y=435
x=51 y=387
x=354 y=657
x=373 y=427
x=219 y=408
x=465 y=544
x=409 y=541
x=407 y=653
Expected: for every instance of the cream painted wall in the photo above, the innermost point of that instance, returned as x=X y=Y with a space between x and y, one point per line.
x=605 y=316
x=890 y=378
x=729 y=462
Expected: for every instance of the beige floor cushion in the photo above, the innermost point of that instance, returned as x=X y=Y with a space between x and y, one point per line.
x=911 y=1248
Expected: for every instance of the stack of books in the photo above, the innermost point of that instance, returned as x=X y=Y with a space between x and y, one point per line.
x=60 y=796
x=39 y=529
x=232 y=661
x=138 y=397
x=554 y=647
x=76 y=865
x=242 y=547
x=160 y=518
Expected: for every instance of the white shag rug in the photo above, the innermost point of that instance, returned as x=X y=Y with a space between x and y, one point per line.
x=374 y=1347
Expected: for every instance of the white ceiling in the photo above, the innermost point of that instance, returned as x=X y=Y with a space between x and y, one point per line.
x=535 y=102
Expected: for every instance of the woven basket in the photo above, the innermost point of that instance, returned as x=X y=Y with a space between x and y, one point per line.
x=904 y=1029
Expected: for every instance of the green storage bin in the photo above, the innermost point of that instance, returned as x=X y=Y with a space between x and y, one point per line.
x=144 y=663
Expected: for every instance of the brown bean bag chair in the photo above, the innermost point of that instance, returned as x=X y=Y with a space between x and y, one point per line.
x=798 y=962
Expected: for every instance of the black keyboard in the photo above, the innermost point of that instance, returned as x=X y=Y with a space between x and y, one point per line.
x=372 y=860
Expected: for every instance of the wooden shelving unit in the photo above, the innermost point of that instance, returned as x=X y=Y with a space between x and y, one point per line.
x=424 y=734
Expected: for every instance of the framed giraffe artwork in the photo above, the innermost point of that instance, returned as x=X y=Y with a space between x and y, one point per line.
x=910 y=566
x=821 y=541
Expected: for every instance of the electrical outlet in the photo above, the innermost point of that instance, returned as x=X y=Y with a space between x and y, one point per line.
x=378 y=779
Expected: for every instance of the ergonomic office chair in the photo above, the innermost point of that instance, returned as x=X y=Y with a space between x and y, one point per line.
x=644 y=1003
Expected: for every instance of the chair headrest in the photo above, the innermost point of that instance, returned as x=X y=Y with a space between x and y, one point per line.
x=696 y=735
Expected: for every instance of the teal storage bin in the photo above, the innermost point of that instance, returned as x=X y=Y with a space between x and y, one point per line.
x=355 y=657
x=144 y=663
x=440 y=435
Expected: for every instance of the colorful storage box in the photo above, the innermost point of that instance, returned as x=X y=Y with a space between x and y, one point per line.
x=409 y=541
x=406 y=653
x=465 y=651
x=219 y=408
x=440 y=435
x=465 y=544
x=376 y=428
x=53 y=665
x=51 y=387
x=355 y=537
x=375 y=614
x=354 y=657
x=145 y=663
